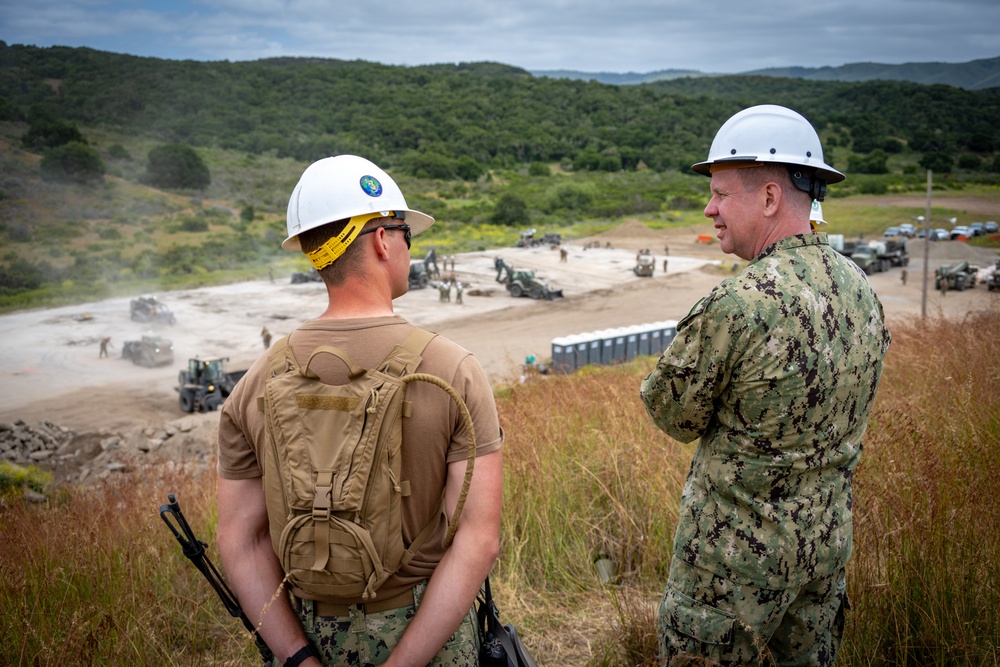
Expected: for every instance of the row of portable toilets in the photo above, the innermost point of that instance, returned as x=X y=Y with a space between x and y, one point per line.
x=611 y=346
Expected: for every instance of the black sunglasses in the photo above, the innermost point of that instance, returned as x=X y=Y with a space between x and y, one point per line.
x=405 y=228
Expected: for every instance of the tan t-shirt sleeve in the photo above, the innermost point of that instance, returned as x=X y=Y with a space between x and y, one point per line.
x=471 y=383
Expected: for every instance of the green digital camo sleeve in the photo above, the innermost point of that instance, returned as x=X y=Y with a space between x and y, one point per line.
x=775 y=371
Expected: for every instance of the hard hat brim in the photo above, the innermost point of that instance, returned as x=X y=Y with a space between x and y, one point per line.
x=823 y=170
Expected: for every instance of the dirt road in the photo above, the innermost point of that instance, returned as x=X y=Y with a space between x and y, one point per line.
x=50 y=369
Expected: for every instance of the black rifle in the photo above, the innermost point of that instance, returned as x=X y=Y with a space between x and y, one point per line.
x=194 y=549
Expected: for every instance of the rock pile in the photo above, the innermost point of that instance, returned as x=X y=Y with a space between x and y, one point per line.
x=84 y=457
x=22 y=443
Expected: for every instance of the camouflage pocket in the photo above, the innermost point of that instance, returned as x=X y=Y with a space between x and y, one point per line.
x=689 y=629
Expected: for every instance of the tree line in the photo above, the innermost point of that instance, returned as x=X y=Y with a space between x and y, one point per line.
x=455 y=121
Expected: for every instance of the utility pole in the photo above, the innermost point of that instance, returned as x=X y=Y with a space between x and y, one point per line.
x=927 y=248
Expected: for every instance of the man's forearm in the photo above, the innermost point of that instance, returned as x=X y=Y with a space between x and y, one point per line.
x=253 y=570
x=450 y=594
x=452 y=588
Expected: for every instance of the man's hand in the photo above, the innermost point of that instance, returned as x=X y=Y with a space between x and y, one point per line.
x=457 y=579
x=253 y=570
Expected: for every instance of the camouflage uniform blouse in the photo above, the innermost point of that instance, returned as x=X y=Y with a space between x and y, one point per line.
x=775 y=371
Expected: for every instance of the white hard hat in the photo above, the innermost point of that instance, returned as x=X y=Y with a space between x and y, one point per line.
x=816 y=213
x=341 y=187
x=769 y=133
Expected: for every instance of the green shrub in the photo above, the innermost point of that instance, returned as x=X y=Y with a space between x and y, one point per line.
x=510 y=211
x=175 y=166
x=74 y=162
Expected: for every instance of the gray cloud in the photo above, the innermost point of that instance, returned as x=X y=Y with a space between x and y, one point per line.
x=598 y=35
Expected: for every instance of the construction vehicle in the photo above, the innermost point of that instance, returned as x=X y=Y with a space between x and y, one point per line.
x=955 y=277
x=645 y=263
x=528 y=239
x=422 y=270
x=524 y=283
x=150 y=309
x=151 y=351
x=205 y=384
x=993 y=282
x=310 y=276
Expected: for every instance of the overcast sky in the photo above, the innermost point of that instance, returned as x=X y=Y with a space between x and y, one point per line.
x=713 y=36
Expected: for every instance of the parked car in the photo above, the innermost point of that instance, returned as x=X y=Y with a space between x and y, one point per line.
x=908 y=230
x=977 y=228
x=939 y=234
x=960 y=231
x=891 y=231
x=991 y=227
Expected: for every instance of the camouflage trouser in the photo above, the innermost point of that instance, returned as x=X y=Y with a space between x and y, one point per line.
x=705 y=620
x=365 y=640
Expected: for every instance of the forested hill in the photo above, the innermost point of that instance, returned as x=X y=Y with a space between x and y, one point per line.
x=441 y=118
x=973 y=75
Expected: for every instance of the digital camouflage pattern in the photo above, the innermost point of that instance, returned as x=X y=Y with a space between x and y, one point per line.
x=365 y=640
x=775 y=371
x=705 y=619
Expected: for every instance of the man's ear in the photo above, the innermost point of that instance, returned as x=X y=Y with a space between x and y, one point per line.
x=771 y=194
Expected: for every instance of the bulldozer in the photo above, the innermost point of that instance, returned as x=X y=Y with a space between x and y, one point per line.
x=955 y=277
x=205 y=384
x=150 y=309
x=422 y=270
x=524 y=283
x=151 y=351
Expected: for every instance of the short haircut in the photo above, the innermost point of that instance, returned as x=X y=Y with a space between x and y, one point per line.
x=336 y=272
x=755 y=178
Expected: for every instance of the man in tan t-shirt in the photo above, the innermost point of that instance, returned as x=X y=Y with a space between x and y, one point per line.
x=351 y=219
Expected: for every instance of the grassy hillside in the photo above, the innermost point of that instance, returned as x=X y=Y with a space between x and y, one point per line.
x=66 y=243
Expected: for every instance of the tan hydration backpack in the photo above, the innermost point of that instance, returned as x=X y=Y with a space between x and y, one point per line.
x=332 y=470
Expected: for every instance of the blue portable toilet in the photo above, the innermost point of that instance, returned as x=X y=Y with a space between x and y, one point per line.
x=581 y=348
x=563 y=360
x=594 y=348
x=632 y=342
x=669 y=331
x=607 y=346
x=619 y=354
x=644 y=338
x=656 y=345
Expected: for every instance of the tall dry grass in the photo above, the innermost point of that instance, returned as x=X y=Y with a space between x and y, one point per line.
x=93 y=577
x=925 y=577
x=588 y=473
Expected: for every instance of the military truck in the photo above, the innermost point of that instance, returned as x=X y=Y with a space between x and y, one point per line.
x=524 y=283
x=205 y=384
x=422 y=270
x=955 y=277
x=867 y=259
x=151 y=351
x=645 y=263
x=893 y=251
x=993 y=282
x=150 y=309
x=528 y=239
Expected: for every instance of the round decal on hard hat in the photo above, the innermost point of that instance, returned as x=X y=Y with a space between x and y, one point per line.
x=371 y=186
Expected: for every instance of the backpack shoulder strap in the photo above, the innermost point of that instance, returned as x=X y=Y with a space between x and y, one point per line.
x=280 y=359
x=405 y=357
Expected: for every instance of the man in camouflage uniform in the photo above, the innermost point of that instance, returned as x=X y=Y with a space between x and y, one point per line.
x=775 y=372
